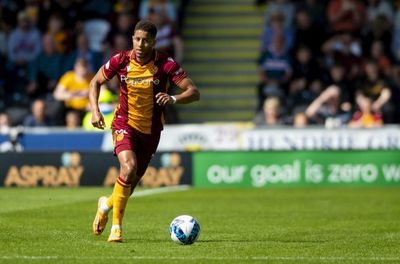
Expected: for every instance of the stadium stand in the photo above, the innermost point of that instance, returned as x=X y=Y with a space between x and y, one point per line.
x=221 y=47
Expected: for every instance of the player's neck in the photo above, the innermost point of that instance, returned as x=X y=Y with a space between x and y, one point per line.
x=144 y=60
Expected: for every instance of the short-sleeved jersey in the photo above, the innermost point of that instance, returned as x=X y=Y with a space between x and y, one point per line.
x=139 y=85
x=74 y=85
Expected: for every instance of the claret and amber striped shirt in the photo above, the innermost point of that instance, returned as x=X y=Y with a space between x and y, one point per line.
x=139 y=85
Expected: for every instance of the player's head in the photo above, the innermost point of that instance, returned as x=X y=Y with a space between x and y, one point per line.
x=144 y=38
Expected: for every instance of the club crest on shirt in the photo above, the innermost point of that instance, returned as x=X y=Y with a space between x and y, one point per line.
x=153 y=69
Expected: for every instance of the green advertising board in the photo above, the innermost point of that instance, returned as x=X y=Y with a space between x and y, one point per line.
x=296 y=168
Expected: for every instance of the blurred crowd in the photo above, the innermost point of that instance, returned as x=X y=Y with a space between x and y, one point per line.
x=326 y=62
x=50 y=49
x=329 y=62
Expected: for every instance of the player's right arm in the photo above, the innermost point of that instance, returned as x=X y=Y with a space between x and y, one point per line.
x=105 y=73
x=94 y=91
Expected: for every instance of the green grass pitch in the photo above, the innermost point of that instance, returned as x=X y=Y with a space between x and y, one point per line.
x=325 y=225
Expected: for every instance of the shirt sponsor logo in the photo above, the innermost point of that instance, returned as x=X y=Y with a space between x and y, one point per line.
x=139 y=81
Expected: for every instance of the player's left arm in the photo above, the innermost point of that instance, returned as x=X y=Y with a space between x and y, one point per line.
x=190 y=94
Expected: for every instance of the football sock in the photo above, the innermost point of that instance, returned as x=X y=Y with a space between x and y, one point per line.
x=116 y=227
x=121 y=193
x=109 y=202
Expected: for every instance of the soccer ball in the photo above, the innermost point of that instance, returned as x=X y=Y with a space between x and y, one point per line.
x=184 y=230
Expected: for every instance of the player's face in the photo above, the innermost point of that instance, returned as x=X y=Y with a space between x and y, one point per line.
x=143 y=44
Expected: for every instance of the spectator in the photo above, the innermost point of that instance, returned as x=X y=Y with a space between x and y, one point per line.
x=45 y=70
x=301 y=94
x=82 y=51
x=314 y=8
x=24 y=44
x=72 y=120
x=285 y=7
x=337 y=77
x=378 y=54
x=300 y=120
x=38 y=117
x=124 y=24
x=167 y=38
x=3 y=81
x=346 y=50
x=271 y=115
x=159 y=6
x=120 y=43
x=120 y=36
x=395 y=85
x=365 y=117
x=305 y=72
x=375 y=88
x=378 y=30
x=305 y=66
x=94 y=9
x=56 y=29
x=73 y=87
x=274 y=69
x=377 y=8
x=130 y=6
x=273 y=27
x=327 y=109
x=12 y=145
x=5 y=123
x=3 y=38
x=71 y=12
x=306 y=30
x=345 y=15
x=395 y=43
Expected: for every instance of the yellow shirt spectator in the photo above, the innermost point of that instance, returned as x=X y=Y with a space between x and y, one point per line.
x=73 y=87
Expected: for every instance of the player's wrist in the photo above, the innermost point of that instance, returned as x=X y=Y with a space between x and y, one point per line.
x=173 y=99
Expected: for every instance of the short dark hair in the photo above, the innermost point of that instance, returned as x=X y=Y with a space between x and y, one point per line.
x=147 y=26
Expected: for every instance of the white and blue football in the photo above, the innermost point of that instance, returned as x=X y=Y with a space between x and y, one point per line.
x=184 y=230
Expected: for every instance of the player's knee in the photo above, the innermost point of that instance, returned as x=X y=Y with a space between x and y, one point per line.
x=128 y=169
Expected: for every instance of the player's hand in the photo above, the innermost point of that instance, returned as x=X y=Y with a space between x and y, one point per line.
x=98 y=120
x=164 y=99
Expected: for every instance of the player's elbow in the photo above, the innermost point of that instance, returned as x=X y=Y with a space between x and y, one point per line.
x=196 y=95
x=94 y=83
